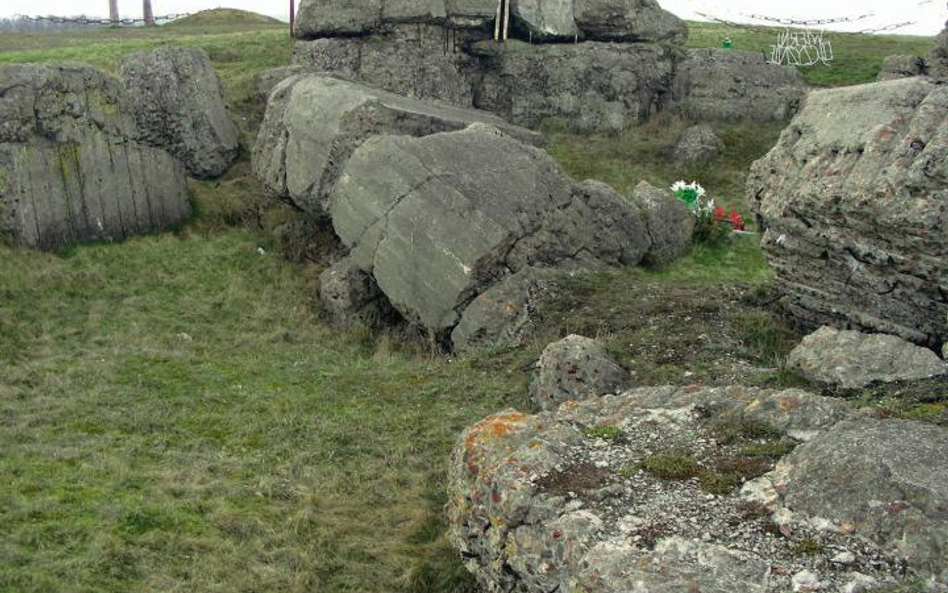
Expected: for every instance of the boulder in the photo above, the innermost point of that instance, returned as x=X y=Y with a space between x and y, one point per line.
x=545 y=19
x=499 y=316
x=629 y=20
x=883 y=480
x=895 y=67
x=574 y=369
x=266 y=81
x=852 y=360
x=71 y=168
x=560 y=500
x=313 y=123
x=419 y=61
x=732 y=85
x=324 y=18
x=670 y=224
x=351 y=298
x=937 y=62
x=697 y=146
x=328 y=18
x=854 y=200
x=178 y=103
x=592 y=86
x=437 y=220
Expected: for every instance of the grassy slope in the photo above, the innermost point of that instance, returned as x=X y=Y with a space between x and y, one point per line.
x=858 y=58
x=175 y=417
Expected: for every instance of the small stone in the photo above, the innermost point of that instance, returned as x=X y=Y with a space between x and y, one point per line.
x=860 y=583
x=805 y=581
x=843 y=558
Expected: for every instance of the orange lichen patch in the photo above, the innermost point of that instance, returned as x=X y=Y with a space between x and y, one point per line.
x=789 y=403
x=493 y=428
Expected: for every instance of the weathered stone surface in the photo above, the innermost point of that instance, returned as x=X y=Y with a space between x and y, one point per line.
x=329 y=18
x=937 y=62
x=669 y=223
x=500 y=315
x=317 y=18
x=732 y=85
x=437 y=220
x=351 y=297
x=419 y=61
x=266 y=81
x=313 y=123
x=629 y=20
x=178 y=103
x=70 y=167
x=698 y=145
x=885 y=480
x=854 y=200
x=545 y=19
x=573 y=369
x=543 y=503
x=895 y=67
x=853 y=360
x=593 y=86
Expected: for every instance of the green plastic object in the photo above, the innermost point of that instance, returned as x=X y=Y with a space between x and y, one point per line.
x=727 y=43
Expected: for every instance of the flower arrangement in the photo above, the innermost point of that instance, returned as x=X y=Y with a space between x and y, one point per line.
x=713 y=222
x=693 y=196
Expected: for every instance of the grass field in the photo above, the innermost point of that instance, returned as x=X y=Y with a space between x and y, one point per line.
x=175 y=415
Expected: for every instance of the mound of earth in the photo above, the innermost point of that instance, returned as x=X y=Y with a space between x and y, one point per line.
x=854 y=201
x=71 y=166
x=223 y=17
x=681 y=489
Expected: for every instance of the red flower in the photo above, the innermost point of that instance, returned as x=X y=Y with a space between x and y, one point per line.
x=737 y=221
x=719 y=213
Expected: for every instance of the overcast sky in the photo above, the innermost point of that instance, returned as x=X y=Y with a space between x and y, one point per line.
x=929 y=15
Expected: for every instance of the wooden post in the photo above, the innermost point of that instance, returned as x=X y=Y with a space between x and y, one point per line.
x=113 y=12
x=497 y=21
x=292 y=16
x=506 y=18
x=148 y=15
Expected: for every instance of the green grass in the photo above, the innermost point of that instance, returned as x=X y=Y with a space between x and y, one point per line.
x=225 y=17
x=238 y=51
x=174 y=416
x=858 y=58
x=641 y=153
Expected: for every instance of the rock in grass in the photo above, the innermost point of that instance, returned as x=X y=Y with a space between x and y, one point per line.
x=733 y=85
x=896 y=67
x=573 y=369
x=854 y=200
x=554 y=501
x=437 y=220
x=179 y=106
x=670 y=225
x=499 y=316
x=71 y=168
x=697 y=146
x=853 y=359
x=313 y=123
x=886 y=480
